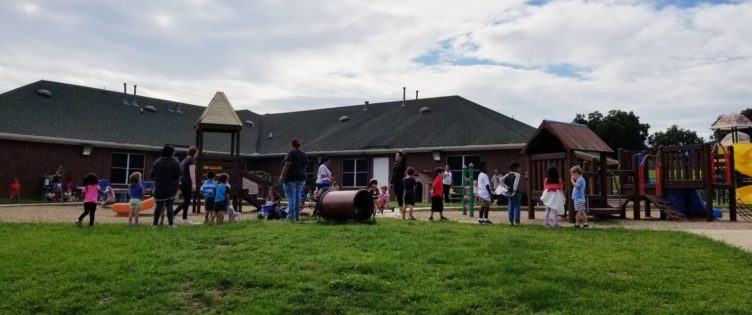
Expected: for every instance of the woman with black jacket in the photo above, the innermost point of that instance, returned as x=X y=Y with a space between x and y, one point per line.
x=165 y=172
x=398 y=174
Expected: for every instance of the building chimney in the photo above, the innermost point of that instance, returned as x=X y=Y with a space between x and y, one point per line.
x=404 y=91
x=365 y=106
x=416 y=94
x=134 y=95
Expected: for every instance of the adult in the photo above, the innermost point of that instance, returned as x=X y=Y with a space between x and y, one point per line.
x=323 y=173
x=187 y=182
x=447 y=182
x=293 y=178
x=165 y=172
x=398 y=174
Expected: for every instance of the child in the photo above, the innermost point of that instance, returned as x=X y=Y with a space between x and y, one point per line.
x=408 y=184
x=232 y=215
x=383 y=199
x=552 y=197
x=136 y=193
x=221 y=197
x=483 y=192
x=109 y=197
x=373 y=188
x=91 y=193
x=578 y=196
x=437 y=194
x=207 y=189
x=15 y=190
x=57 y=188
x=512 y=181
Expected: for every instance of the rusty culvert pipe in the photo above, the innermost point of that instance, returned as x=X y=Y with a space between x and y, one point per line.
x=356 y=205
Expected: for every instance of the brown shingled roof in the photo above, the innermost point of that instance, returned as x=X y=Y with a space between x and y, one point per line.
x=571 y=137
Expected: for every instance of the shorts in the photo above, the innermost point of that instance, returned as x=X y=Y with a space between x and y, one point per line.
x=484 y=202
x=409 y=200
x=579 y=205
x=220 y=205
x=135 y=204
x=437 y=204
x=209 y=204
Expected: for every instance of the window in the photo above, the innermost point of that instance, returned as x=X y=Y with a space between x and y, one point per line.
x=457 y=162
x=354 y=173
x=123 y=165
x=312 y=169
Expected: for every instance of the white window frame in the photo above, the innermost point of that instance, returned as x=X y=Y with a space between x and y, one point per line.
x=355 y=171
x=128 y=169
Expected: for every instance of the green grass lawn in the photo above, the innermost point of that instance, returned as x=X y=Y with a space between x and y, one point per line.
x=392 y=266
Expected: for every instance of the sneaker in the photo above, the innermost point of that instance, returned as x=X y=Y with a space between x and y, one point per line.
x=586 y=226
x=78 y=223
x=430 y=219
x=412 y=219
x=481 y=221
x=489 y=222
x=443 y=219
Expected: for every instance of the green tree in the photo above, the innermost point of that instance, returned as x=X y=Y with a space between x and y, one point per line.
x=619 y=129
x=674 y=136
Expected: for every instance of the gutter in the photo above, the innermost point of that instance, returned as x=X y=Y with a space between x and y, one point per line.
x=142 y=147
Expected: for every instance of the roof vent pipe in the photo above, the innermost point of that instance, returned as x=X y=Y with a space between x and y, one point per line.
x=134 y=95
x=365 y=106
x=404 y=91
x=125 y=94
x=416 y=94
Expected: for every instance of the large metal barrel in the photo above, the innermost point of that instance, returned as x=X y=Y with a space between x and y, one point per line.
x=356 y=205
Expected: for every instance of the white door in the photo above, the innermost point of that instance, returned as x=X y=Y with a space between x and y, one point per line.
x=381 y=170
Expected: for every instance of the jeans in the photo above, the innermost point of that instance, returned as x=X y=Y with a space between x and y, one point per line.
x=158 y=211
x=514 y=208
x=187 y=198
x=292 y=192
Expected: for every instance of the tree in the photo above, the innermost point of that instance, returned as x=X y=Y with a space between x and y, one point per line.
x=674 y=136
x=619 y=129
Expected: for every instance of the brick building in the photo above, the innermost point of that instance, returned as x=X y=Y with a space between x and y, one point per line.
x=45 y=124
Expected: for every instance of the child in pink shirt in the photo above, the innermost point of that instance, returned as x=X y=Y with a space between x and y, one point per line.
x=91 y=193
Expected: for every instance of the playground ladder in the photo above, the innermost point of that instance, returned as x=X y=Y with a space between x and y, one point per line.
x=666 y=207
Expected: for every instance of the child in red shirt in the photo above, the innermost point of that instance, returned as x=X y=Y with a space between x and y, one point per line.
x=437 y=194
x=15 y=190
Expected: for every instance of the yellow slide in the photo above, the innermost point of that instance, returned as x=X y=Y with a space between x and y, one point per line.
x=743 y=164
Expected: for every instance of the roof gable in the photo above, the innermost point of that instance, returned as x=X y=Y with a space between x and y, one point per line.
x=220 y=113
x=554 y=136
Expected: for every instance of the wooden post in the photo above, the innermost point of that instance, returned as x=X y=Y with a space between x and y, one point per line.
x=568 y=185
x=731 y=181
x=636 y=197
x=708 y=159
x=530 y=205
x=604 y=177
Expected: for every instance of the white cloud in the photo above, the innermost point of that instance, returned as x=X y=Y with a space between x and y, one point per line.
x=669 y=65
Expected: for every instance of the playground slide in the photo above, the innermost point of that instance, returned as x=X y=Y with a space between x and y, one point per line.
x=743 y=164
x=689 y=202
x=122 y=209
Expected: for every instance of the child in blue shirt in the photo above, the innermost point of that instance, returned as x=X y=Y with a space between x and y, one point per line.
x=578 y=196
x=136 y=193
x=207 y=190
x=221 y=197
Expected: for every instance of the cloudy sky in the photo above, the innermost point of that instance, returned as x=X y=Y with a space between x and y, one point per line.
x=672 y=62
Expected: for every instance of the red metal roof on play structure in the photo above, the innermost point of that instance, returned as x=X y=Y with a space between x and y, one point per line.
x=572 y=137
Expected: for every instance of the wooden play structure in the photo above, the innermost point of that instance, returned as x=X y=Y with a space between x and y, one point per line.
x=670 y=179
x=564 y=145
x=220 y=117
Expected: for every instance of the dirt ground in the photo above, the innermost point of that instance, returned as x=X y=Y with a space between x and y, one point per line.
x=734 y=233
